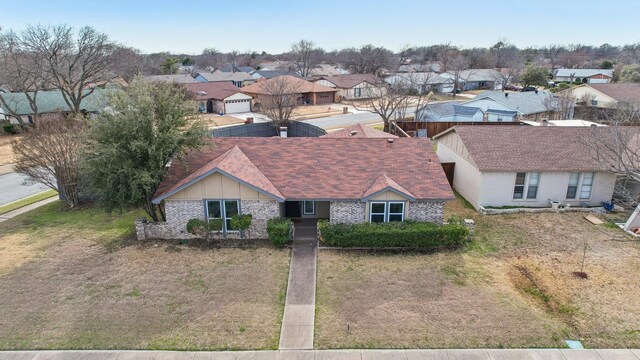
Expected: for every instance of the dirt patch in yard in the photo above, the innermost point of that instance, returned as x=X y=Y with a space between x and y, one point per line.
x=70 y=291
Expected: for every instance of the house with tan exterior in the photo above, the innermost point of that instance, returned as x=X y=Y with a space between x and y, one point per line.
x=353 y=86
x=606 y=95
x=352 y=180
x=307 y=93
x=525 y=166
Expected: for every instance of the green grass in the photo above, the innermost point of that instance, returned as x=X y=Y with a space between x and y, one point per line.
x=109 y=230
x=27 y=201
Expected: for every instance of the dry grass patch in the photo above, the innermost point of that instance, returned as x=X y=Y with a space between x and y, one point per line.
x=6 y=153
x=513 y=287
x=73 y=290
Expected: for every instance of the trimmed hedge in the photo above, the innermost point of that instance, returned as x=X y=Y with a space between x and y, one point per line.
x=408 y=234
x=279 y=231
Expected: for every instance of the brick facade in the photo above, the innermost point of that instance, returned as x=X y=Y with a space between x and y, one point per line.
x=261 y=211
x=432 y=211
x=347 y=212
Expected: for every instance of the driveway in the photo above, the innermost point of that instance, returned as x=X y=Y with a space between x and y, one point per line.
x=13 y=186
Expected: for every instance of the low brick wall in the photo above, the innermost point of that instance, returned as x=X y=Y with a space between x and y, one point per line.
x=179 y=212
x=431 y=211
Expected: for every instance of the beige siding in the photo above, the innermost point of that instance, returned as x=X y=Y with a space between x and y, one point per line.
x=388 y=195
x=497 y=189
x=218 y=186
x=602 y=99
x=466 y=177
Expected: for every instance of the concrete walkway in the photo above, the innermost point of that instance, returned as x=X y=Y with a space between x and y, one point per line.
x=299 y=309
x=475 y=354
x=24 y=209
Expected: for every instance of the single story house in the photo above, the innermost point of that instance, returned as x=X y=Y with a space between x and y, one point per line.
x=307 y=92
x=268 y=74
x=433 y=66
x=238 y=79
x=479 y=79
x=359 y=131
x=345 y=181
x=178 y=78
x=423 y=82
x=525 y=166
x=507 y=106
x=327 y=70
x=48 y=102
x=353 y=86
x=606 y=95
x=219 y=97
x=572 y=122
x=591 y=76
x=451 y=111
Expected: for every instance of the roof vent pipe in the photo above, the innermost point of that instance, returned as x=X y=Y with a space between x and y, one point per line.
x=283 y=131
x=390 y=141
x=506 y=94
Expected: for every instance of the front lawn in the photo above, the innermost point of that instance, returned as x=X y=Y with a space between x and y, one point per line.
x=512 y=287
x=77 y=280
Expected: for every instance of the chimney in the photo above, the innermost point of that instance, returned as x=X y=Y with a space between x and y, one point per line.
x=545 y=122
x=249 y=120
x=283 y=131
x=506 y=94
x=536 y=91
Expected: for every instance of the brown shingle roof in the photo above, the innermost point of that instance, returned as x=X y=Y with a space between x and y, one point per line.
x=530 y=148
x=319 y=168
x=619 y=91
x=350 y=80
x=301 y=86
x=359 y=131
x=212 y=90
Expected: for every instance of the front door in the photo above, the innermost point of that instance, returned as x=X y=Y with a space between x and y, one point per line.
x=292 y=209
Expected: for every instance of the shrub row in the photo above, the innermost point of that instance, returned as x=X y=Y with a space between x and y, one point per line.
x=279 y=231
x=408 y=234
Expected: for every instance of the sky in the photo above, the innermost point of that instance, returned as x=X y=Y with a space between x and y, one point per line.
x=273 y=25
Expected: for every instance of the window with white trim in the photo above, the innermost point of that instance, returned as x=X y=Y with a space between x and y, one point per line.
x=580 y=185
x=223 y=209
x=383 y=211
x=526 y=185
x=309 y=208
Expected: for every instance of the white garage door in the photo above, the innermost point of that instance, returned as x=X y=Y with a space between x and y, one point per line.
x=237 y=106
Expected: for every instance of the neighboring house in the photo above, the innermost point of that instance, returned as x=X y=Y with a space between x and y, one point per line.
x=510 y=106
x=353 y=86
x=524 y=166
x=428 y=67
x=232 y=68
x=49 y=102
x=269 y=74
x=423 y=82
x=479 y=79
x=359 y=131
x=178 y=78
x=238 y=79
x=606 y=95
x=572 y=122
x=327 y=70
x=451 y=111
x=308 y=93
x=345 y=181
x=591 y=76
x=220 y=98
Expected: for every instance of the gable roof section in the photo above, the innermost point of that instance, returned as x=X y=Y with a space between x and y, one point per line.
x=618 y=91
x=384 y=183
x=52 y=101
x=528 y=102
x=318 y=168
x=179 y=78
x=529 y=148
x=268 y=74
x=234 y=164
x=302 y=86
x=212 y=90
x=580 y=73
x=348 y=81
x=225 y=76
x=359 y=131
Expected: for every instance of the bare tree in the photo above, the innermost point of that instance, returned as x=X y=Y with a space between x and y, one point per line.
x=562 y=104
x=23 y=70
x=457 y=66
x=72 y=60
x=50 y=153
x=552 y=52
x=368 y=59
x=278 y=99
x=618 y=147
x=502 y=53
x=306 y=57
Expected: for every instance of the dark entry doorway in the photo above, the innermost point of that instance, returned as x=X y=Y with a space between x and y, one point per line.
x=292 y=209
x=210 y=106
